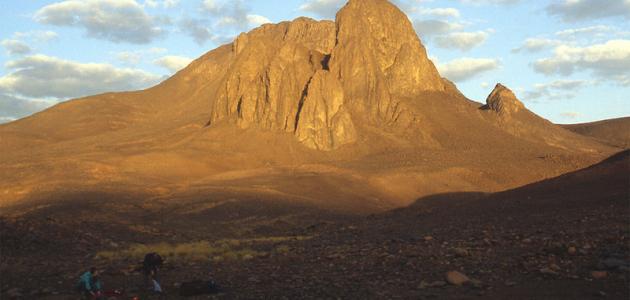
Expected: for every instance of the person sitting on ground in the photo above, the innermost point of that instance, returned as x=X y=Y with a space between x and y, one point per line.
x=89 y=284
x=97 y=286
x=150 y=267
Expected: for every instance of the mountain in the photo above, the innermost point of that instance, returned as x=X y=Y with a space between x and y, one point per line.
x=349 y=115
x=615 y=132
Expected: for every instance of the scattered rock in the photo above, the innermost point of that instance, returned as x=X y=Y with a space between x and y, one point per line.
x=14 y=293
x=461 y=252
x=248 y=257
x=548 y=271
x=478 y=284
x=612 y=263
x=423 y=285
x=437 y=283
x=456 y=278
x=599 y=274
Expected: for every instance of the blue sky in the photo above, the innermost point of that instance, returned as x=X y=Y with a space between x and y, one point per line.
x=567 y=60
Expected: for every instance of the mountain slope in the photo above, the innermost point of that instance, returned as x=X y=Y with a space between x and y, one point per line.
x=615 y=132
x=355 y=101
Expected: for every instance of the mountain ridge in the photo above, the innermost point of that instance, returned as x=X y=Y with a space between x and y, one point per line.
x=296 y=98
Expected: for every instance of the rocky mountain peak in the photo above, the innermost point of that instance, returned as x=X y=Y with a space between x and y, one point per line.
x=378 y=54
x=503 y=101
x=312 y=78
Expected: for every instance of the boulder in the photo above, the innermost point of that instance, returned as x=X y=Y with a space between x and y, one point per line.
x=457 y=278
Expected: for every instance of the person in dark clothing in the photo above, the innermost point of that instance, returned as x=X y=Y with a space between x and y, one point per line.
x=150 y=267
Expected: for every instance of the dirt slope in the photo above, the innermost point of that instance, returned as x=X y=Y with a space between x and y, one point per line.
x=615 y=132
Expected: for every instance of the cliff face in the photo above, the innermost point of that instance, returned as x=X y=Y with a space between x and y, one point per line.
x=309 y=78
x=270 y=72
x=378 y=56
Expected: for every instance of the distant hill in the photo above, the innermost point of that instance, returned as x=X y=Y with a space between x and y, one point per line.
x=615 y=132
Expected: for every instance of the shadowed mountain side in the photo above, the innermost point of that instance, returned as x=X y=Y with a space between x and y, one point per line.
x=615 y=132
x=128 y=216
x=603 y=184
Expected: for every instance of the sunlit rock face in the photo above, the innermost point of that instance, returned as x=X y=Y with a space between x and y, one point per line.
x=503 y=101
x=314 y=78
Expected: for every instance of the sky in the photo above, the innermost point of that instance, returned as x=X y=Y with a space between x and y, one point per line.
x=567 y=60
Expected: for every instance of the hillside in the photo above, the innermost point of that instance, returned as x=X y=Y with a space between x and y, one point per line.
x=615 y=132
x=350 y=115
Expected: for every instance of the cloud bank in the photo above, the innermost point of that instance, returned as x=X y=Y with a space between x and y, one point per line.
x=113 y=20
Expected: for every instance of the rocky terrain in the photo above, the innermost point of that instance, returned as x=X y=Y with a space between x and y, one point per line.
x=315 y=159
x=562 y=238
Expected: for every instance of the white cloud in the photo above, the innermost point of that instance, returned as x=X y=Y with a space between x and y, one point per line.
x=211 y=6
x=12 y=108
x=129 y=57
x=197 y=30
x=112 y=20
x=257 y=20
x=41 y=76
x=249 y=21
x=6 y=119
x=462 y=40
x=583 y=10
x=221 y=22
x=463 y=69
x=16 y=47
x=39 y=36
x=496 y=2
x=323 y=8
x=136 y=56
x=559 y=89
x=440 y=12
x=173 y=63
x=234 y=14
x=536 y=45
x=170 y=3
x=163 y=3
x=151 y=3
x=426 y=28
x=608 y=61
x=572 y=37
x=585 y=31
